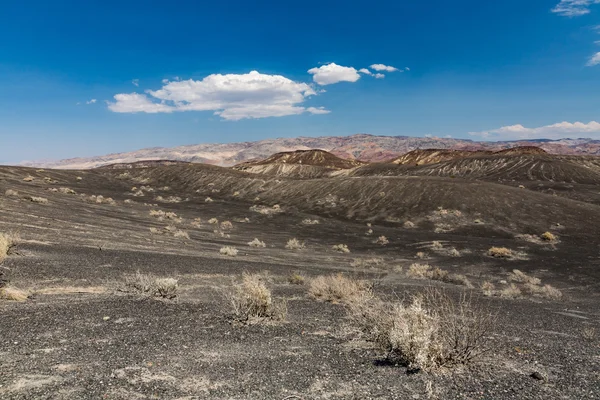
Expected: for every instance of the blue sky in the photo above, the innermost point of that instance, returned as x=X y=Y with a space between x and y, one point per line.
x=182 y=72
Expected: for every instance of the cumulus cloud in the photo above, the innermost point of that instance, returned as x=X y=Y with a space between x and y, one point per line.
x=231 y=96
x=379 y=76
x=555 y=131
x=382 y=67
x=594 y=60
x=574 y=8
x=332 y=73
x=135 y=82
x=365 y=71
x=92 y=101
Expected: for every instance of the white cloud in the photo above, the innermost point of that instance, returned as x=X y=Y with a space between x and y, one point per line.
x=165 y=81
x=332 y=73
x=406 y=68
x=136 y=82
x=381 y=67
x=92 y=101
x=594 y=60
x=555 y=131
x=231 y=96
x=379 y=76
x=574 y=8
x=365 y=71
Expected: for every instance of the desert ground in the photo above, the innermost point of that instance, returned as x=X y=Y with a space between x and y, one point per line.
x=81 y=316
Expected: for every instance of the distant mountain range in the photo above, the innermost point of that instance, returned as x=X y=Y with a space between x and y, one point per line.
x=361 y=147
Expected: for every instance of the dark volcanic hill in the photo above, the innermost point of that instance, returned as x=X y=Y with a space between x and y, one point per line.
x=362 y=147
x=433 y=156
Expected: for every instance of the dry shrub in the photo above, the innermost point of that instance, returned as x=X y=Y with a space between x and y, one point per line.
x=546 y=291
x=294 y=244
x=418 y=270
x=458 y=279
x=197 y=222
x=408 y=225
x=28 y=178
x=11 y=193
x=369 y=232
x=251 y=300
x=521 y=277
x=488 y=288
x=170 y=199
x=101 y=200
x=39 y=200
x=264 y=210
x=213 y=221
x=421 y=255
x=228 y=251
x=437 y=245
x=309 y=221
x=512 y=291
x=339 y=289
x=548 y=237
x=500 y=252
x=296 y=279
x=367 y=262
x=151 y=286
x=341 y=248
x=226 y=225
x=382 y=240
x=13 y=294
x=430 y=332
x=128 y=201
x=453 y=252
x=7 y=242
x=181 y=234
x=208 y=200
x=79 y=178
x=65 y=190
x=257 y=243
x=589 y=333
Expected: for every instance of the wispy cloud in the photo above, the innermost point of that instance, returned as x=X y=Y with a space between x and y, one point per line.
x=379 y=76
x=594 y=60
x=574 y=8
x=92 y=101
x=332 y=73
x=231 y=96
x=555 y=131
x=382 y=67
x=365 y=71
x=135 y=82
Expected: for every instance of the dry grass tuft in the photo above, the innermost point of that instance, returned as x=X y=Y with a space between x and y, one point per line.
x=521 y=277
x=339 y=289
x=512 y=291
x=213 y=221
x=66 y=190
x=309 y=221
x=548 y=237
x=296 y=279
x=341 y=248
x=367 y=262
x=546 y=291
x=251 y=300
x=425 y=271
x=421 y=255
x=151 y=286
x=294 y=244
x=228 y=251
x=226 y=225
x=264 y=210
x=382 y=240
x=13 y=294
x=7 y=242
x=431 y=332
x=11 y=193
x=488 y=288
x=408 y=225
x=589 y=333
x=38 y=200
x=500 y=252
x=417 y=270
x=100 y=200
x=257 y=243
x=28 y=178
x=208 y=200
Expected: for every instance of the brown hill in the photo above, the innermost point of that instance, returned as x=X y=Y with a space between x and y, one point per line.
x=433 y=156
x=142 y=164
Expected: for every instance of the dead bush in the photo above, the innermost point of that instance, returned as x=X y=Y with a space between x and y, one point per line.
x=488 y=288
x=213 y=221
x=257 y=243
x=39 y=200
x=382 y=240
x=7 y=242
x=208 y=200
x=367 y=262
x=421 y=255
x=11 y=193
x=294 y=244
x=341 y=248
x=150 y=286
x=339 y=289
x=228 y=251
x=546 y=291
x=309 y=221
x=500 y=252
x=296 y=279
x=521 y=277
x=226 y=225
x=548 y=237
x=28 y=178
x=408 y=225
x=418 y=270
x=430 y=332
x=11 y=293
x=251 y=300
x=512 y=291
x=65 y=190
